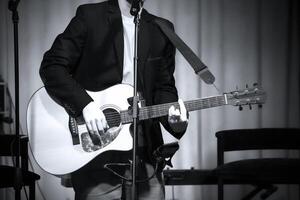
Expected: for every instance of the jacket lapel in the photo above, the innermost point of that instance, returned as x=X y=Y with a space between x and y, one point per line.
x=144 y=44
x=115 y=21
x=144 y=39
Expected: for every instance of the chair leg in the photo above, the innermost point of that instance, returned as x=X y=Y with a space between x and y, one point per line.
x=32 y=191
x=17 y=194
x=253 y=193
x=220 y=189
x=299 y=192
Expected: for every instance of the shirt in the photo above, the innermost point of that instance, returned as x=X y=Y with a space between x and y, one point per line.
x=128 y=32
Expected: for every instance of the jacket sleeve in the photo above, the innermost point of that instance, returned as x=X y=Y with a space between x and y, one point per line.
x=165 y=90
x=60 y=61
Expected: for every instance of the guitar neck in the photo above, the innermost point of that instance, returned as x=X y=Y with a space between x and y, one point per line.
x=163 y=109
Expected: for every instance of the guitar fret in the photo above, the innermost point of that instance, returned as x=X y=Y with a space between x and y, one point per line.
x=163 y=109
x=125 y=117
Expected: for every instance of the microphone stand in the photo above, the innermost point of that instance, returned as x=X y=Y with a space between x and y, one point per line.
x=12 y=6
x=136 y=12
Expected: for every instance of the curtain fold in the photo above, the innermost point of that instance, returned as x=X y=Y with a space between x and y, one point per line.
x=242 y=42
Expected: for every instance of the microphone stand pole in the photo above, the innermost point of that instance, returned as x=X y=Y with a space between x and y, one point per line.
x=136 y=12
x=12 y=6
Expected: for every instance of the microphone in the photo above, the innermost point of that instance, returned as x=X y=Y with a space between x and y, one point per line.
x=13 y=4
x=136 y=6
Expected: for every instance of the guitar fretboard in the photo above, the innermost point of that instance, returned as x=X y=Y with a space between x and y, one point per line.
x=163 y=109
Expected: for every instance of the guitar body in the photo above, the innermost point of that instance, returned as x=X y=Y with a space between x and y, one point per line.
x=50 y=137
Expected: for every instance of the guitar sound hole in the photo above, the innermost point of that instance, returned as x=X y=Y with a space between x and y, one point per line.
x=113 y=117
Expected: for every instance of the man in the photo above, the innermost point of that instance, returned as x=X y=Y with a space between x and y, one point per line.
x=96 y=52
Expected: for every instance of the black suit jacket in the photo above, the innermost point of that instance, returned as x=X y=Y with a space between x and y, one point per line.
x=88 y=55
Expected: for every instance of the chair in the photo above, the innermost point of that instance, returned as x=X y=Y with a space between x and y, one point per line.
x=261 y=172
x=190 y=177
x=7 y=173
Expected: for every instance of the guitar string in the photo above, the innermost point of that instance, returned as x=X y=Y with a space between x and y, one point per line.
x=158 y=111
x=125 y=116
x=161 y=109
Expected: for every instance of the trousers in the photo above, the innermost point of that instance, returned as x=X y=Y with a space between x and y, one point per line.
x=101 y=184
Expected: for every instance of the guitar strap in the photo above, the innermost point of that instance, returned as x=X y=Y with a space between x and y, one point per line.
x=199 y=67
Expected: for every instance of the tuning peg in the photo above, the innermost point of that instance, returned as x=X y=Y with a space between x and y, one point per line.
x=255 y=84
x=240 y=108
x=247 y=86
x=250 y=106
x=260 y=105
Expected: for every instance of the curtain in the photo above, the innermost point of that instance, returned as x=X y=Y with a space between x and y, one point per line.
x=242 y=42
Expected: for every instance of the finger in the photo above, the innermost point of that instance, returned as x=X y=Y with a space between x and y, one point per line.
x=101 y=131
x=94 y=128
x=183 y=115
x=103 y=120
x=177 y=112
x=94 y=134
x=171 y=114
x=174 y=115
x=171 y=110
x=105 y=125
x=89 y=126
x=99 y=126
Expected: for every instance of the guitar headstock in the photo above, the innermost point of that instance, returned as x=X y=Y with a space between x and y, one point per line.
x=247 y=96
